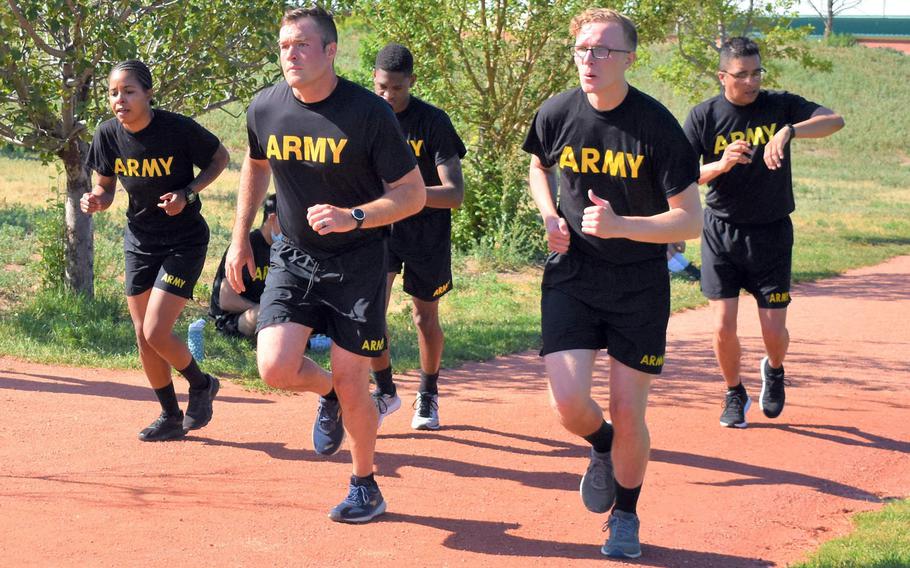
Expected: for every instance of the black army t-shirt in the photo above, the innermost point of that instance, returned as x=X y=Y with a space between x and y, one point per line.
x=433 y=139
x=634 y=156
x=254 y=284
x=335 y=151
x=748 y=193
x=156 y=160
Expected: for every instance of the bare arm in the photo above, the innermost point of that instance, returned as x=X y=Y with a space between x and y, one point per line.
x=450 y=193
x=174 y=202
x=542 y=182
x=254 y=183
x=738 y=152
x=823 y=122
x=683 y=220
x=231 y=301
x=403 y=197
x=101 y=196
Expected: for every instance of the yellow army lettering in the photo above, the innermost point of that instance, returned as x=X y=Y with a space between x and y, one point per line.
x=755 y=136
x=261 y=273
x=652 y=360
x=306 y=149
x=173 y=280
x=442 y=289
x=417 y=146
x=778 y=297
x=613 y=163
x=373 y=344
x=149 y=167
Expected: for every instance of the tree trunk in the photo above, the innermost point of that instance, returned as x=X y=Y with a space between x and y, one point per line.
x=80 y=246
x=829 y=21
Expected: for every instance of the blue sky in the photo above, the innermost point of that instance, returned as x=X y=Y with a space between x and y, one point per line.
x=865 y=8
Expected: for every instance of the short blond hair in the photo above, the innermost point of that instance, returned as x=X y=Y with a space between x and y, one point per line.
x=603 y=15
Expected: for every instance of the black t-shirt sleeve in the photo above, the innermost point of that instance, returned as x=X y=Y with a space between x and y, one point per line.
x=257 y=152
x=693 y=128
x=444 y=140
x=534 y=141
x=798 y=108
x=390 y=153
x=100 y=154
x=201 y=143
x=676 y=163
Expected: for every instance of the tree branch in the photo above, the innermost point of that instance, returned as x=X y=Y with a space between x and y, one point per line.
x=30 y=30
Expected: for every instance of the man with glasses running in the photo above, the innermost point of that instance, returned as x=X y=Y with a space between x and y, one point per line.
x=627 y=187
x=743 y=136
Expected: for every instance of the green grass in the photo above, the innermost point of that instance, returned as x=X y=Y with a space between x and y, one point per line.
x=852 y=210
x=881 y=539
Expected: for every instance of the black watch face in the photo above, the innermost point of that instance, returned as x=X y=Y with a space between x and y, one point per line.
x=358 y=214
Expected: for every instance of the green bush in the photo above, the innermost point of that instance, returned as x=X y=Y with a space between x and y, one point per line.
x=840 y=40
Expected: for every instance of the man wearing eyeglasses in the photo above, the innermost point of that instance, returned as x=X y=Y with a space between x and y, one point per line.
x=627 y=187
x=743 y=136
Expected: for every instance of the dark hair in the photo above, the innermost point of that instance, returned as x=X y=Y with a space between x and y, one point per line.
x=324 y=21
x=269 y=206
x=736 y=48
x=395 y=58
x=138 y=70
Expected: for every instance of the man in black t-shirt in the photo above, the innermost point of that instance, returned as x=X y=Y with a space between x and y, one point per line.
x=343 y=172
x=236 y=314
x=626 y=188
x=743 y=136
x=421 y=244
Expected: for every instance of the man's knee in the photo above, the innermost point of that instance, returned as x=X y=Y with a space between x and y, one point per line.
x=569 y=406
x=426 y=317
x=626 y=416
x=725 y=331
x=276 y=370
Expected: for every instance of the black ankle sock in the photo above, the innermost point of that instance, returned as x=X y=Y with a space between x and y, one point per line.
x=384 y=382
x=331 y=395
x=428 y=383
x=368 y=480
x=602 y=438
x=739 y=389
x=194 y=375
x=167 y=397
x=626 y=499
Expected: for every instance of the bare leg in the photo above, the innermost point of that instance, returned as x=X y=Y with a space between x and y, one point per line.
x=726 y=343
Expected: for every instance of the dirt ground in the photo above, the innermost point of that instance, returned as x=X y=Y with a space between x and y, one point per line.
x=498 y=485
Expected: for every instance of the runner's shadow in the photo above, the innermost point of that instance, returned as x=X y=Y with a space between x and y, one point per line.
x=758 y=475
x=107 y=389
x=494 y=539
x=558 y=448
x=389 y=464
x=811 y=430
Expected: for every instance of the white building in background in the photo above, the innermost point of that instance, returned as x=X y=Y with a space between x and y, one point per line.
x=875 y=8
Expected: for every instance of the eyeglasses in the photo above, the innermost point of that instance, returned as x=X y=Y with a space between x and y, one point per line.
x=758 y=74
x=597 y=51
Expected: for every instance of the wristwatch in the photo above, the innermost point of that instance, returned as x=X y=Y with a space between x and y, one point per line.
x=191 y=196
x=792 y=130
x=358 y=215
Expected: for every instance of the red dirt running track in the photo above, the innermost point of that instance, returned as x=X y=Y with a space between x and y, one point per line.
x=498 y=485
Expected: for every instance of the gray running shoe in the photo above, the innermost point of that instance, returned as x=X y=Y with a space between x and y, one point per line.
x=736 y=406
x=623 y=540
x=426 y=412
x=385 y=403
x=597 y=487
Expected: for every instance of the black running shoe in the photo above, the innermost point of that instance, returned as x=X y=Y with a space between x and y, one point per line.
x=199 y=410
x=772 y=389
x=736 y=405
x=166 y=427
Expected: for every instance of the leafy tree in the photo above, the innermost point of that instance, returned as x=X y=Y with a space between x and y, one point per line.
x=54 y=60
x=491 y=63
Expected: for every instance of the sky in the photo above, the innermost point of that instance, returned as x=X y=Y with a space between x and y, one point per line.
x=865 y=8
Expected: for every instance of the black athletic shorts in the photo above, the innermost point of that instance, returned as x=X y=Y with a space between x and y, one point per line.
x=756 y=258
x=423 y=246
x=589 y=304
x=229 y=324
x=343 y=295
x=171 y=263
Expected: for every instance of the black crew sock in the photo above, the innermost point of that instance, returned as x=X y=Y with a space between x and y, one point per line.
x=602 y=438
x=626 y=499
x=384 y=382
x=331 y=395
x=428 y=383
x=167 y=397
x=368 y=480
x=739 y=389
x=195 y=376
